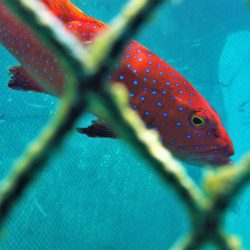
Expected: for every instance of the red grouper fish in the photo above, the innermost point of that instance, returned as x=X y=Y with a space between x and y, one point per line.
x=188 y=126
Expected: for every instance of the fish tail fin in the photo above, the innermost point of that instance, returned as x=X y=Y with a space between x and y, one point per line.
x=21 y=80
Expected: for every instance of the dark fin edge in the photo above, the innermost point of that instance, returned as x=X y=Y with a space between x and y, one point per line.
x=21 y=80
x=97 y=129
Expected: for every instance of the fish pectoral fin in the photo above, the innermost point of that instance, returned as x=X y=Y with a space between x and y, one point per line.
x=21 y=80
x=97 y=129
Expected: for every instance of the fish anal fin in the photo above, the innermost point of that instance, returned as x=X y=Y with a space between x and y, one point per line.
x=97 y=129
x=21 y=80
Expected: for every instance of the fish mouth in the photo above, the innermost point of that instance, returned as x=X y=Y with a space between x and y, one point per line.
x=206 y=154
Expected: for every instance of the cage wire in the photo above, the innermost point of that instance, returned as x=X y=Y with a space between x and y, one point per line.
x=205 y=206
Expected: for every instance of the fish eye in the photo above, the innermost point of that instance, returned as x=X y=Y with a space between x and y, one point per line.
x=198 y=120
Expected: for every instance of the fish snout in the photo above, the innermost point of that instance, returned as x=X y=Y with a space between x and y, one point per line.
x=229 y=150
x=224 y=142
x=227 y=146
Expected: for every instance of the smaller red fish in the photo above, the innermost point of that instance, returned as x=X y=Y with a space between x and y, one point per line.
x=189 y=127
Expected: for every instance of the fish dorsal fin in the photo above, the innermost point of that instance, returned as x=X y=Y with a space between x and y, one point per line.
x=67 y=11
x=85 y=31
x=97 y=129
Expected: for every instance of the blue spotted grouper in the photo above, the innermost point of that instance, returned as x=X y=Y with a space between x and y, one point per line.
x=188 y=126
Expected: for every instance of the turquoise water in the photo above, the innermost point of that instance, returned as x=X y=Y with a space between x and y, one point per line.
x=97 y=194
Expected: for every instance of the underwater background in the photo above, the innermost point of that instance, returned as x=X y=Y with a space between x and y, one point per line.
x=96 y=193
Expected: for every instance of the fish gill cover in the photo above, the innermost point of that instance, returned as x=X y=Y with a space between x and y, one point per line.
x=206 y=205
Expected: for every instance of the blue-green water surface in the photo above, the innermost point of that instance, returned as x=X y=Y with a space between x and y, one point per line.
x=96 y=193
